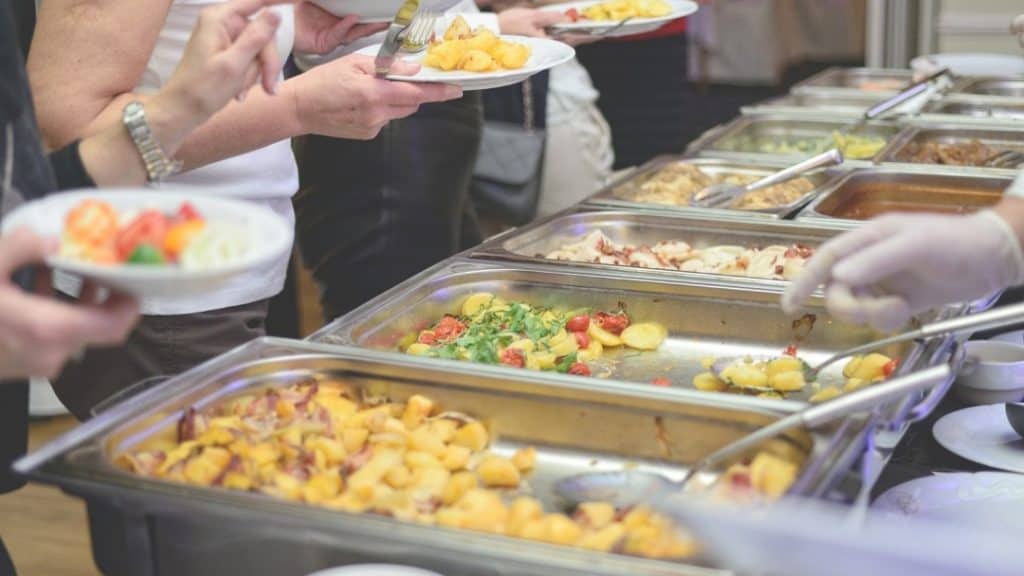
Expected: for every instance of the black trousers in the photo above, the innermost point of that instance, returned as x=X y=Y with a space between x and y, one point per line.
x=371 y=214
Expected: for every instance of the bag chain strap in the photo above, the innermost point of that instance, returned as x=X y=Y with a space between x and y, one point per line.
x=528 y=112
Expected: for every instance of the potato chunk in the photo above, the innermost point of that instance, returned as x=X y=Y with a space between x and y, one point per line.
x=473 y=436
x=644 y=336
x=498 y=472
x=708 y=382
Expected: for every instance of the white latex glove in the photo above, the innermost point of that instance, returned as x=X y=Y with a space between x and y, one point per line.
x=899 y=265
x=1018 y=29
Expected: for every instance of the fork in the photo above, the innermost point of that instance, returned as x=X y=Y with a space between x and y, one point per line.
x=556 y=34
x=420 y=32
x=1006 y=159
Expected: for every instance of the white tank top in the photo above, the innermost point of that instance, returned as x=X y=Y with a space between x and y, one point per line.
x=268 y=176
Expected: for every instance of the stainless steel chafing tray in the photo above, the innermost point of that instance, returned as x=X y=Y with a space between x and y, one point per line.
x=973 y=111
x=740 y=138
x=1005 y=138
x=991 y=87
x=880 y=81
x=842 y=103
x=533 y=242
x=864 y=194
x=704 y=318
x=182 y=529
x=616 y=194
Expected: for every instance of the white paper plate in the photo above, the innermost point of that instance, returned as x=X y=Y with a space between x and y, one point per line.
x=375 y=570
x=546 y=54
x=680 y=9
x=269 y=238
x=982 y=434
x=378 y=10
x=988 y=498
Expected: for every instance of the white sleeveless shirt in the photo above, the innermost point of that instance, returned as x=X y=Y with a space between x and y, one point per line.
x=267 y=176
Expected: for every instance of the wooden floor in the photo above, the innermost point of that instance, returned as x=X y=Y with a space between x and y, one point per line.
x=45 y=531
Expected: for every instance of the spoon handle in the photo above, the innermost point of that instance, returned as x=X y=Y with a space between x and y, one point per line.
x=831 y=158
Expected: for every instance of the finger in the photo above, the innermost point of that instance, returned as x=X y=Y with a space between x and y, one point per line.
x=410 y=94
x=363 y=30
x=881 y=260
x=23 y=247
x=43 y=281
x=397 y=112
x=339 y=31
x=882 y=312
x=89 y=293
x=404 y=68
x=247 y=8
x=50 y=323
x=544 y=18
x=252 y=41
x=270 y=64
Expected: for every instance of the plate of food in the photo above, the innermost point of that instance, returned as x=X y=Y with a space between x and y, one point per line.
x=372 y=11
x=614 y=18
x=155 y=243
x=480 y=59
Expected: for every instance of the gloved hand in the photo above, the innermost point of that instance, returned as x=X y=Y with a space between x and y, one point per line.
x=903 y=264
x=1018 y=29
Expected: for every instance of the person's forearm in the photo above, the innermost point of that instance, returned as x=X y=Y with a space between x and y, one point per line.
x=240 y=127
x=1011 y=209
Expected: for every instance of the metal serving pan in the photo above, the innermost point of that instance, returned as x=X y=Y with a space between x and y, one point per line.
x=886 y=81
x=842 y=103
x=1005 y=138
x=614 y=195
x=182 y=529
x=733 y=140
x=973 y=111
x=864 y=194
x=991 y=87
x=531 y=243
x=705 y=319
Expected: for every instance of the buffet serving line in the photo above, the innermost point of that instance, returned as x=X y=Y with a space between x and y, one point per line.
x=455 y=404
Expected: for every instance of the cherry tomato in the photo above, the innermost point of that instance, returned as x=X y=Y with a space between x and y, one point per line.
x=150 y=227
x=791 y=350
x=663 y=382
x=889 y=368
x=582 y=340
x=579 y=369
x=573 y=14
x=188 y=212
x=427 y=337
x=578 y=323
x=92 y=223
x=449 y=328
x=614 y=323
x=741 y=480
x=513 y=357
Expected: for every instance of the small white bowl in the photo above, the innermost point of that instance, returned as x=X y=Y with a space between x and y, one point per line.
x=993 y=373
x=375 y=570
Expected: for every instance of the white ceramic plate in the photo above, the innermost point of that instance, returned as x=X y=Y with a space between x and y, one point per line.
x=988 y=498
x=970 y=64
x=983 y=435
x=546 y=54
x=1015 y=337
x=268 y=238
x=377 y=10
x=680 y=9
x=375 y=570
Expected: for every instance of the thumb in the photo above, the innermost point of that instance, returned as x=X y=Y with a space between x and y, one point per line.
x=404 y=68
x=22 y=248
x=545 y=18
x=338 y=31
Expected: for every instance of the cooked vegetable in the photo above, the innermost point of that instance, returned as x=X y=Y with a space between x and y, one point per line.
x=146 y=254
x=646 y=336
x=477 y=50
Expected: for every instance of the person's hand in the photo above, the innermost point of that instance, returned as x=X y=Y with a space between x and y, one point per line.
x=344 y=99
x=1018 y=28
x=529 y=21
x=39 y=334
x=901 y=264
x=317 y=31
x=230 y=50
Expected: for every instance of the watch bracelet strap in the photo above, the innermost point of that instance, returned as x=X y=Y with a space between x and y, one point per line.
x=158 y=165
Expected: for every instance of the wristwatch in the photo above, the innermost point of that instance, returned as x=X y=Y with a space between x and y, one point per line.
x=158 y=165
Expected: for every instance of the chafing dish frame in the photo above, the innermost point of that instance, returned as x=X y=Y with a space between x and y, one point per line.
x=831 y=80
x=919 y=129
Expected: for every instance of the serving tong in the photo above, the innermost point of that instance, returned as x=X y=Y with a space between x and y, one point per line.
x=902 y=97
x=627 y=488
x=1000 y=317
x=718 y=195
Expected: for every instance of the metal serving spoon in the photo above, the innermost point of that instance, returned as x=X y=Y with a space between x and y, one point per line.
x=718 y=195
x=630 y=487
x=995 y=318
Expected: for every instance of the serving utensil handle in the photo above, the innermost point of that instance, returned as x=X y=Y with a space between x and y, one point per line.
x=831 y=158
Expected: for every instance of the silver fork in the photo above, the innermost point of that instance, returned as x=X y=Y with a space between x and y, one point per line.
x=556 y=34
x=1006 y=159
x=420 y=32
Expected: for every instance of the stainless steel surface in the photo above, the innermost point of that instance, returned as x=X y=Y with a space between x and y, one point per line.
x=1001 y=87
x=734 y=140
x=918 y=88
x=1005 y=138
x=614 y=194
x=631 y=487
x=558 y=33
x=705 y=319
x=887 y=81
x=575 y=427
x=863 y=194
x=719 y=195
x=531 y=243
x=973 y=110
x=846 y=104
x=421 y=32
x=1015 y=415
x=392 y=41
